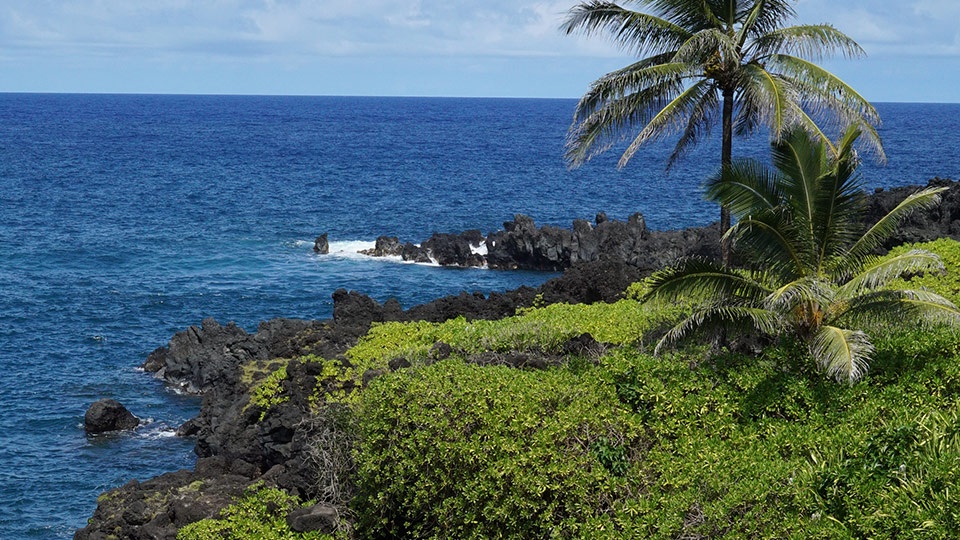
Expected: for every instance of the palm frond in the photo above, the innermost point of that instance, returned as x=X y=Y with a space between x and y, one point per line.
x=814 y=41
x=669 y=119
x=691 y=14
x=746 y=186
x=898 y=307
x=774 y=243
x=767 y=99
x=803 y=290
x=700 y=121
x=843 y=354
x=922 y=200
x=839 y=203
x=702 y=46
x=626 y=81
x=801 y=161
x=722 y=317
x=620 y=102
x=702 y=280
x=823 y=91
x=635 y=32
x=879 y=272
x=763 y=17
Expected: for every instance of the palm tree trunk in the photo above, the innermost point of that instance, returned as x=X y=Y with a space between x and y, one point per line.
x=726 y=159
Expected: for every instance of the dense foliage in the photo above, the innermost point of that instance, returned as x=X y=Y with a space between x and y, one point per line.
x=630 y=445
x=260 y=513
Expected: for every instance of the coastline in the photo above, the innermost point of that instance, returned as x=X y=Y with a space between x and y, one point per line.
x=238 y=448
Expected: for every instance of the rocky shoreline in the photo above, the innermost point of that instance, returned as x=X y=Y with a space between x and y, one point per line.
x=521 y=245
x=239 y=445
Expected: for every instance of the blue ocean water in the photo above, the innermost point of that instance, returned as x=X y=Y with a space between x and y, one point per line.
x=124 y=219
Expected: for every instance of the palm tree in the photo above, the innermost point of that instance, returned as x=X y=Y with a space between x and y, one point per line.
x=701 y=56
x=811 y=272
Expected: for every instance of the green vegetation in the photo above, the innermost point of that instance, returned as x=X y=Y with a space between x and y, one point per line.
x=631 y=445
x=646 y=447
x=260 y=513
x=269 y=391
x=808 y=273
x=461 y=451
x=700 y=58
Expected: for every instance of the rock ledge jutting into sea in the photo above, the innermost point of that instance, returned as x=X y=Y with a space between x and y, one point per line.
x=521 y=245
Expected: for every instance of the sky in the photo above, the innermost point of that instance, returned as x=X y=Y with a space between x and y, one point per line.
x=482 y=48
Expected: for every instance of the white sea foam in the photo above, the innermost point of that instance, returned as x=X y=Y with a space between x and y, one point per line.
x=350 y=249
x=479 y=250
x=350 y=246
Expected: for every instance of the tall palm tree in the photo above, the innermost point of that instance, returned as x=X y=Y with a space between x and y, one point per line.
x=812 y=270
x=701 y=57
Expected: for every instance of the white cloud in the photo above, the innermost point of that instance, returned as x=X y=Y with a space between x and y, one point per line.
x=494 y=36
x=889 y=27
x=295 y=27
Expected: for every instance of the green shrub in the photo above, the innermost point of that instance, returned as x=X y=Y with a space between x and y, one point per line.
x=460 y=451
x=260 y=513
x=268 y=392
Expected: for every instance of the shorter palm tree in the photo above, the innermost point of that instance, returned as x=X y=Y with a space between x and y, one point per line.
x=812 y=270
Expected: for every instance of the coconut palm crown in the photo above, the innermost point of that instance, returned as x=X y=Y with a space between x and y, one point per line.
x=812 y=268
x=699 y=58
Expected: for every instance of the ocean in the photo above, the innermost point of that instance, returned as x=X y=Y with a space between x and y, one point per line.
x=126 y=218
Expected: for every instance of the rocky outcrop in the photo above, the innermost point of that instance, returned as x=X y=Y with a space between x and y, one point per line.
x=521 y=245
x=197 y=359
x=108 y=415
x=157 y=508
x=386 y=246
x=321 y=245
x=942 y=221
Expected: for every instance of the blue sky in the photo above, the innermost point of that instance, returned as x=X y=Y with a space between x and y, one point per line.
x=509 y=48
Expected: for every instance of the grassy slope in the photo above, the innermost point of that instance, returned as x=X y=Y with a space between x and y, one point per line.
x=629 y=445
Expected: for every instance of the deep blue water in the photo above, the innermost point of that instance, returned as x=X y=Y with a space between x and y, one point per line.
x=124 y=219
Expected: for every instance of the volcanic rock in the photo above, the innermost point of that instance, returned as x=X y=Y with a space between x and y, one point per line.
x=321 y=245
x=108 y=415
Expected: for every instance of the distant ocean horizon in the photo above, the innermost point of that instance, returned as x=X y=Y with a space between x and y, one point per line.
x=125 y=218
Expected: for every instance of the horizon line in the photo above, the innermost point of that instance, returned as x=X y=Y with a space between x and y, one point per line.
x=372 y=96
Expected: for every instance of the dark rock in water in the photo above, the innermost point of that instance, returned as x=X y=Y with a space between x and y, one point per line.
x=159 y=507
x=521 y=245
x=321 y=245
x=319 y=517
x=108 y=415
x=455 y=249
x=189 y=428
x=352 y=307
x=414 y=253
x=386 y=246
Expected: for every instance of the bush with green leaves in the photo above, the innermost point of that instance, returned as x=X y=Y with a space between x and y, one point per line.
x=455 y=450
x=534 y=329
x=260 y=513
